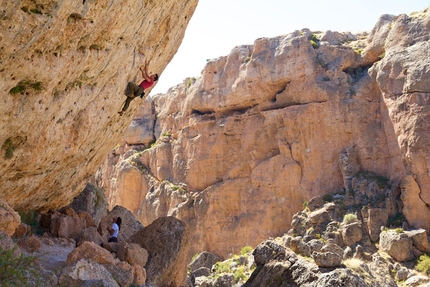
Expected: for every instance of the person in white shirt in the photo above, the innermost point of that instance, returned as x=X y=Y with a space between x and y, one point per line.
x=114 y=229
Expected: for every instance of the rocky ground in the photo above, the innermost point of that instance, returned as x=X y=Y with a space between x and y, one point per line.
x=355 y=238
x=68 y=248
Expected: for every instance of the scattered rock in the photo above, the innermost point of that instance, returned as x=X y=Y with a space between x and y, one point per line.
x=22 y=230
x=90 y=250
x=352 y=233
x=6 y=243
x=90 y=234
x=204 y=259
x=10 y=219
x=29 y=244
x=397 y=245
x=132 y=253
x=86 y=270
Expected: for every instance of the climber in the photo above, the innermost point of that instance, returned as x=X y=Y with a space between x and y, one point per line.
x=134 y=90
x=114 y=229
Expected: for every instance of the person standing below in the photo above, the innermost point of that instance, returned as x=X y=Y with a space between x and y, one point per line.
x=114 y=229
x=134 y=90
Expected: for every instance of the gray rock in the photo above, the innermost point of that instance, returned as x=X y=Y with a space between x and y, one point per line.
x=266 y=251
x=204 y=259
x=378 y=217
x=419 y=239
x=224 y=280
x=327 y=259
x=352 y=233
x=397 y=245
x=86 y=273
x=316 y=203
x=202 y=271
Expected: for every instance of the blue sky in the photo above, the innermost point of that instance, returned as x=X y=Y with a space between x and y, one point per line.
x=217 y=26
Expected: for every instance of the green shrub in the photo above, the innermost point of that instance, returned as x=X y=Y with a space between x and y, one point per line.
x=222 y=267
x=305 y=205
x=423 y=264
x=246 y=249
x=23 y=85
x=349 y=218
x=314 y=41
x=239 y=273
x=16 y=271
x=9 y=148
x=399 y=230
x=314 y=44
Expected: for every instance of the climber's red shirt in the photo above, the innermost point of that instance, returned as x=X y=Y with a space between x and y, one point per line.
x=145 y=84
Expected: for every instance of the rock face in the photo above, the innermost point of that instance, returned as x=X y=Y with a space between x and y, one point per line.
x=273 y=124
x=64 y=66
x=167 y=243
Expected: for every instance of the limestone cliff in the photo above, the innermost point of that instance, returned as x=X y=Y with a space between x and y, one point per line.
x=269 y=126
x=64 y=66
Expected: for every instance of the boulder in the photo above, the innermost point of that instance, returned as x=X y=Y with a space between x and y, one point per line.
x=315 y=245
x=90 y=234
x=69 y=211
x=377 y=217
x=348 y=253
x=415 y=209
x=397 y=245
x=67 y=226
x=402 y=274
x=266 y=251
x=6 y=243
x=224 y=280
x=202 y=271
x=132 y=253
x=89 y=222
x=129 y=225
x=419 y=239
x=417 y=281
x=333 y=248
x=83 y=270
x=30 y=244
x=352 y=233
x=319 y=216
x=331 y=255
x=327 y=259
x=139 y=275
x=343 y=277
x=167 y=243
x=122 y=273
x=204 y=259
x=10 y=219
x=204 y=282
x=22 y=230
x=299 y=246
x=90 y=250
x=315 y=203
